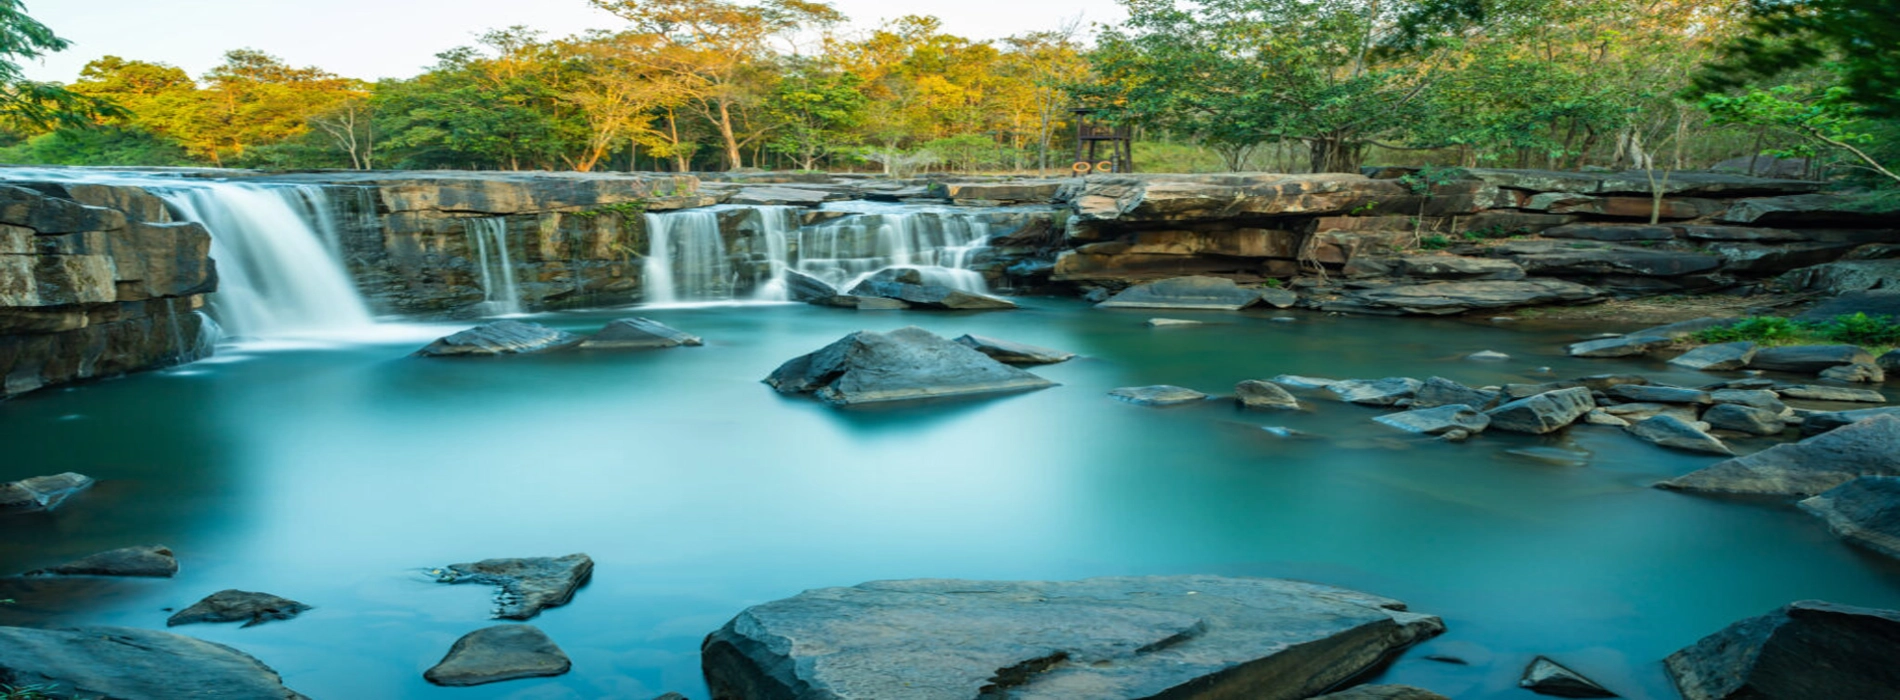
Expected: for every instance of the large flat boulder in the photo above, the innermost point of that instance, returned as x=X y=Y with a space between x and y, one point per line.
x=1014 y=353
x=1865 y=511
x=527 y=585
x=504 y=337
x=1719 y=357
x=1184 y=637
x=1809 y=650
x=1375 y=392
x=1447 y=298
x=1543 y=413
x=639 y=333
x=41 y=493
x=146 y=561
x=1439 y=420
x=1185 y=293
x=901 y=365
x=909 y=286
x=499 y=653
x=1674 y=432
x=1868 y=448
x=1439 y=391
x=1808 y=359
x=232 y=605
x=121 y=662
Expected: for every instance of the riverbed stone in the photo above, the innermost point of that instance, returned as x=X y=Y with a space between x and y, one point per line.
x=1195 y=292
x=1864 y=511
x=1164 y=636
x=929 y=296
x=1299 y=382
x=1546 y=677
x=1620 y=346
x=1602 y=417
x=905 y=364
x=1439 y=420
x=1389 y=391
x=1817 y=423
x=1808 y=359
x=499 y=653
x=1808 y=650
x=1868 y=448
x=1838 y=394
x=1543 y=413
x=1756 y=398
x=1857 y=373
x=1670 y=431
x=148 y=561
x=1157 y=395
x=41 y=493
x=1644 y=411
x=1014 y=353
x=1449 y=298
x=806 y=288
x=1717 y=358
x=1744 y=419
x=232 y=605
x=1657 y=393
x=1257 y=394
x=1439 y=391
x=505 y=337
x=121 y=662
x=1172 y=322
x=637 y=334
x=1458 y=267
x=1889 y=361
x=528 y=585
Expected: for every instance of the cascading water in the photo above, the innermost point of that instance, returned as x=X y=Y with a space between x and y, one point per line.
x=686 y=258
x=938 y=243
x=489 y=237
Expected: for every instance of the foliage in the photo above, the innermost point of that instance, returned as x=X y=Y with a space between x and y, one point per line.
x=1861 y=38
x=1855 y=329
x=1829 y=119
x=1436 y=241
x=35 y=105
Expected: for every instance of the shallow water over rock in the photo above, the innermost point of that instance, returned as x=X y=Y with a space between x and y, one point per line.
x=334 y=475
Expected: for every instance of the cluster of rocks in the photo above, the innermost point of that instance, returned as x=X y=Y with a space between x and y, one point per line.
x=524 y=588
x=891 y=289
x=1842 y=363
x=510 y=337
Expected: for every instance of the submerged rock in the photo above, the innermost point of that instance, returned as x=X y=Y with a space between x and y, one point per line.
x=1257 y=394
x=232 y=605
x=1014 y=353
x=500 y=338
x=1867 y=448
x=1865 y=511
x=1620 y=346
x=529 y=585
x=1440 y=420
x=151 y=561
x=1185 y=293
x=121 y=662
x=637 y=334
x=907 y=285
x=1167 y=322
x=41 y=493
x=1809 y=650
x=1670 y=431
x=1299 y=382
x=1546 y=677
x=1543 y=413
x=1376 y=392
x=499 y=653
x=901 y=365
x=1717 y=358
x=1162 y=636
x=1157 y=395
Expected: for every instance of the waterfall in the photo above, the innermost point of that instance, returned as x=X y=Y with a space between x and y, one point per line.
x=777 y=226
x=939 y=243
x=489 y=238
x=686 y=258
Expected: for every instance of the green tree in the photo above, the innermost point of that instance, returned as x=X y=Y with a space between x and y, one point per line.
x=1860 y=37
x=37 y=105
x=819 y=106
x=1833 y=119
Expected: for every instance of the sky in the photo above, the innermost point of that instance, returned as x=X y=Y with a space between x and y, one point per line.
x=372 y=39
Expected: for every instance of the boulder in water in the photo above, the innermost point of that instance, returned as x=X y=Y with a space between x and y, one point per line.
x=1172 y=322
x=529 y=585
x=41 y=493
x=1439 y=391
x=1543 y=413
x=499 y=653
x=909 y=286
x=1718 y=357
x=1809 y=650
x=1257 y=394
x=121 y=662
x=1817 y=423
x=1673 y=432
x=1815 y=392
x=232 y=605
x=1857 y=373
x=1868 y=448
x=1657 y=393
x=1808 y=359
x=638 y=333
x=1620 y=346
x=1546 y=677
x=506 y=337
x=1439 y=420
x=1157 y=395
x=1014 y=353
x=1389 y=391
x=1195 y=292
x=806 y=288
x=901 y=365
x=1865 y=511
x=1744 y=419
x=154 y=561
x=1137 y=637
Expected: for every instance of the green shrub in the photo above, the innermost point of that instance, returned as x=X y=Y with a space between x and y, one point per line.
x=1860 y=329
x=1855 y=329
x=1436 y=241
x=1756 y=329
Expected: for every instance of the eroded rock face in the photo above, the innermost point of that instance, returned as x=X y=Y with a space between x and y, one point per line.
x=1172 y=636
x=1375 y=392
x=529 y=585
x=1865 y=511
x=1809 y=650
x=232 y=605
x=1868 y=448
x=901 y=365
x=154 y=561
x=1439 y=391
x=41 y=493
x=120 y=662
x=501 y=338
x=1447 y=298
x=499 y=653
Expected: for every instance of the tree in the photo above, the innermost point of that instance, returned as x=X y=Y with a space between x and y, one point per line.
x=1043 y=65
x=1833 y=118
x=1860 y=37
x=819 y=106
x=36 y=105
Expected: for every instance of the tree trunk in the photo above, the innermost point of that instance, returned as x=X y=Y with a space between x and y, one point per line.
x=733 y=155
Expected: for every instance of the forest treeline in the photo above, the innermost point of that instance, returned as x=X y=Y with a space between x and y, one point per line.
x=1286 y=85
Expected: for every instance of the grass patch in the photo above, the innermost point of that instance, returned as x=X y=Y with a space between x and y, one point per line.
x=1877 y=334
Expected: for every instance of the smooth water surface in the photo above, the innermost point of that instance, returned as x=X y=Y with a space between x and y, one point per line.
x=336 y=475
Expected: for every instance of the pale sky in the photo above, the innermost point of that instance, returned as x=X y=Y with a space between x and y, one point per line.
x=373 y=39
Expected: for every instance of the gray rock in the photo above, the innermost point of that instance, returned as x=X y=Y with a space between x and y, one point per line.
x=1889 y=361
x=41 y=493
x=232 y=605
x=1865 y=511
x=1809 y=650
x=499 y=653
x=1544 y=413
x=1656 y=393
x=1257 y=394
x=876 y=304
x=1525 y=391
x=1168 y=636
x=1717 y=358
x=529 y=585
x=1458 y=267
x=1841 y=394
x=1439 y=391
x=806 y=288
x=901 y=365
x=1744 y=419
x=1602 y=417
x=1279 y=298
x=1756 y=398
x=1605 y=382
x=1645 y=411
x=500 y=338
x=1169 y=322
x=1299 y=382
x=1375 y=392
x=1670 y=431
x=1817 y=423
x=1620 y=346
x=1858 y=373
x=154 y=561
x=121 y=662
x=1185 y=293
x=1546 y=677
x=1868 y=448
x=780 y=196
x=1438 y=421
x=1447 y=298
x=928 y=296
x=639 y=333
x=1808 y=359
x=1157 y=395
x=1013 y=353
x=1383 y=692
x=1487 y=356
